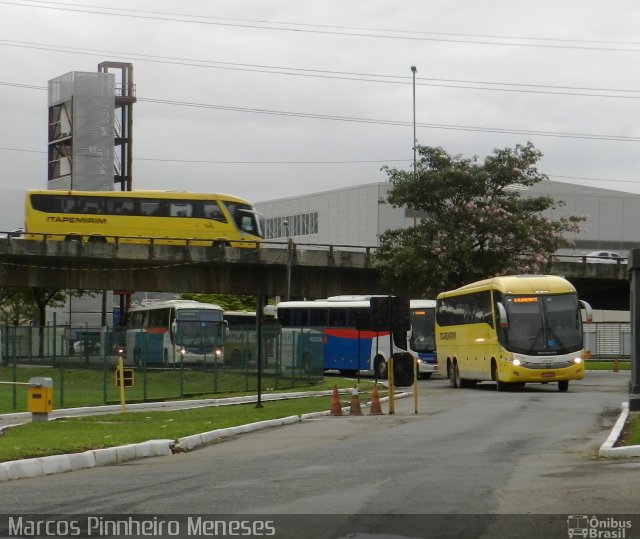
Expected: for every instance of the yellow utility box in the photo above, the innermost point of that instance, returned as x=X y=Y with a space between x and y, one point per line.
x=40 y=395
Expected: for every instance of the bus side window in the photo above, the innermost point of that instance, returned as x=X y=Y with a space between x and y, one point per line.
x=317 y=317
x=67 y=205
x=180 y=209
x=120 y=207
x=91 y=205
x=211 y=210
x=149 y=208
x=337 y=318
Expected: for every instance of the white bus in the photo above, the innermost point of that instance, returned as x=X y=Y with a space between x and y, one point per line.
x=168 y=332
x=337 y=332
x=240 y=340
x=422 y=336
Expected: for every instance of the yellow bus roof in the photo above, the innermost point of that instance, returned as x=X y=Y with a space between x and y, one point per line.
x=165 y=195
x=517 y=284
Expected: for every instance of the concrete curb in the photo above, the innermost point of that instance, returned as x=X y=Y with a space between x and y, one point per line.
x=53 y=464
x=169 y=405
x=608 y=450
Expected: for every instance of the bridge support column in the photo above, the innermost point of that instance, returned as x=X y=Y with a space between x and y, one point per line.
x=634 y=276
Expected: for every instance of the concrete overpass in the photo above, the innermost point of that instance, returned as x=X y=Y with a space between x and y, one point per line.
x=278 y=269
x=282 y=269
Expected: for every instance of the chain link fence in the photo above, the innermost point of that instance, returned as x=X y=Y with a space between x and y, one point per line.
x=190 y=364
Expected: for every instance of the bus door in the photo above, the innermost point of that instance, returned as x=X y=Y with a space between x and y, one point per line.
x=309 y=352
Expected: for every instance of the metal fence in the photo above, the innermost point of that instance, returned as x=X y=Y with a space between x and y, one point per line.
x=608 y=340
x=82 y=363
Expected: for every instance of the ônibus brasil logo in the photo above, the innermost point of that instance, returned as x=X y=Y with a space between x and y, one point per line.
x=597 y=527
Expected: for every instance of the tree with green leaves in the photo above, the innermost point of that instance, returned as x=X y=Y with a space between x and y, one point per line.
x=475 y=222
x=23 y=304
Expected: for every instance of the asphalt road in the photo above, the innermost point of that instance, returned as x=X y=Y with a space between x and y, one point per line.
x=467 y=453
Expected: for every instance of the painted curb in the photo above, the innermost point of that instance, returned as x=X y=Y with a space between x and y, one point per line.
x=53 y=464
x=24 y=468
x=188 y=443
x=608 y=450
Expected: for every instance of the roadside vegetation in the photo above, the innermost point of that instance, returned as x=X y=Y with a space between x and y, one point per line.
x=85 y=388
x=77 y=434
x=594 y=365
x=632 y=430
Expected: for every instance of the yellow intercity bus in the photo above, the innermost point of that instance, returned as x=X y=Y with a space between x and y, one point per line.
x=511 y=330
x=165 y=217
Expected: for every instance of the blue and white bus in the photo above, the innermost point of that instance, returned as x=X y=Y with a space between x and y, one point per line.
x=163 y=333
x=337 y=331
x=422 y=338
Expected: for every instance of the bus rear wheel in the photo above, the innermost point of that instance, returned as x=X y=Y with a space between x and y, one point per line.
x=380 y=368
x=454 y=375
x=563 y=386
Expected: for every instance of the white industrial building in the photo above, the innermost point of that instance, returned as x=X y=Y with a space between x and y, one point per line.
x=355 y=216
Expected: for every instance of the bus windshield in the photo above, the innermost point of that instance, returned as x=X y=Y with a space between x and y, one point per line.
x=423 y=330
x=245 y=218
x=549 y=324
x=198 y=329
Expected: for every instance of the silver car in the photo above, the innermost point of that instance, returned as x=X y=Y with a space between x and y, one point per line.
x=605 y=257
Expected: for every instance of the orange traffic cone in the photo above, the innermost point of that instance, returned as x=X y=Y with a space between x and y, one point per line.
x=355 y=402
x=375 y=409
x=336 y=409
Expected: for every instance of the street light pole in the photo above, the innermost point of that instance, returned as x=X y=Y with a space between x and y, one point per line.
x=414 y=70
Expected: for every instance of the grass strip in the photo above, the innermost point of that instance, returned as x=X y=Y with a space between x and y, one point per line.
x=593 y=365
x=75 y=387
x=78 y=434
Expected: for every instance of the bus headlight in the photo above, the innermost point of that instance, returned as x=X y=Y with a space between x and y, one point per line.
x=577 y=360
x=516 y=363
x=218 y=352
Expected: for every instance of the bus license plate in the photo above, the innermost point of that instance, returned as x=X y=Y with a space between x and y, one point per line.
x=548 y=374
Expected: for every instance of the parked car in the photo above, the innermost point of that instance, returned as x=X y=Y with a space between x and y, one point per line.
x=605 y=257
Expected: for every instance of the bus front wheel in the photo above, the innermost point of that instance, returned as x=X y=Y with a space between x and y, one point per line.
x=563 y=386
x=500 y=386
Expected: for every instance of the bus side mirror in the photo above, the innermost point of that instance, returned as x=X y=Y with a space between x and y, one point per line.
x=174 y=327
x=587 y=311
x=226 y=329
x=503 y=319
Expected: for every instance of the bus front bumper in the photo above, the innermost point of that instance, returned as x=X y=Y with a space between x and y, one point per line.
x=521 y=373
x=425 y=367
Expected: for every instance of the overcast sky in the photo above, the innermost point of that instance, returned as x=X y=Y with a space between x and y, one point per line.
x=272 y=98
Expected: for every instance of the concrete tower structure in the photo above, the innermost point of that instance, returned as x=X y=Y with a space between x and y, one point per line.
x=81 y=131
